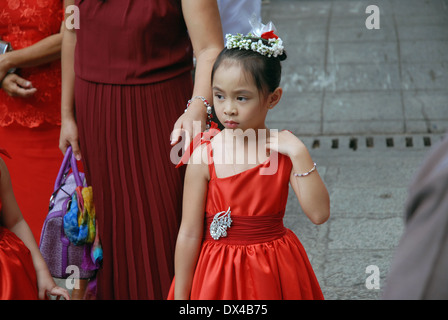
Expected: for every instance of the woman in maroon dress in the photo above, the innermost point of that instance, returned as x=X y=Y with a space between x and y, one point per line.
x=126 y=77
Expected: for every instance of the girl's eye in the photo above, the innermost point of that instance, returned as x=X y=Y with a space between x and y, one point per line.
x=219 y=96
x=241 y=98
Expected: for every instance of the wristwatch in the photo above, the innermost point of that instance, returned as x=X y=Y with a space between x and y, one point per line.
x=6 y=47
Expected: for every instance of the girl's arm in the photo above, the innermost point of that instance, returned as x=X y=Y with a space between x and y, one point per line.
x=204 y=27
x=310 y=190
x=69 y=128
x=13 y=220
x=190 y=234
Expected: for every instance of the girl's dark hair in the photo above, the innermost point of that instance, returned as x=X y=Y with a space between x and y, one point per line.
x=266 y=71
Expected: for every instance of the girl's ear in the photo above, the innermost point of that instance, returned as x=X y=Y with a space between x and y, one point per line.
x=274 y=97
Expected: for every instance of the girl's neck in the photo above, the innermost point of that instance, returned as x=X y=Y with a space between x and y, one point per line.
x=256 y=133
x=249 y=144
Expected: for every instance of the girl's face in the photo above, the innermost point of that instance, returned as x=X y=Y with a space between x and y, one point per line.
x=238 y=102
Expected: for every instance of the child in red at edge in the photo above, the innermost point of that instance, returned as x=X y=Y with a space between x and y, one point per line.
x=24 y=273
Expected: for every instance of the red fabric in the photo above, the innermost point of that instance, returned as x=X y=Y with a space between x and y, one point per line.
x=125 y=144
x=132 y=41
x=250 y=229
x=259 y=258
x=35 y=163
x=18 y=279
x=197 y=140
x=23 y=23
x=4 y=152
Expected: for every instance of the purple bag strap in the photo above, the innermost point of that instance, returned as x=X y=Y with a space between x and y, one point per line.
x=68 y=162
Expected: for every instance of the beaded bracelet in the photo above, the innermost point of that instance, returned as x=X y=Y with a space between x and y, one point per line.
x=207 y=105
x=306 y=173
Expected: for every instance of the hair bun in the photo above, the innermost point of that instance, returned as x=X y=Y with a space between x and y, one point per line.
x=283 y=56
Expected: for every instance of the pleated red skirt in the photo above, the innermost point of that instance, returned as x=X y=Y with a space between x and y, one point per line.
x=35 y=163
x=125 y=144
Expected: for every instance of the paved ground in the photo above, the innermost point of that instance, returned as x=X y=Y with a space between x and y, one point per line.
x=369 y=104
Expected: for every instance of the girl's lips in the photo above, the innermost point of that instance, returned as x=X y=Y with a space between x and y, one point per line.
x=231 y=124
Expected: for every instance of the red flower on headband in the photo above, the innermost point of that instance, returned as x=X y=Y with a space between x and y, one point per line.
x=269 y=35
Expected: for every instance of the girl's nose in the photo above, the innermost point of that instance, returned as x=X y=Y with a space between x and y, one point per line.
x=229 y=109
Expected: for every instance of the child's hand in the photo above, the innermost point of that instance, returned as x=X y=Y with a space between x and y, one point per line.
x=59 y=292
x=46 y=285
x=285 y=142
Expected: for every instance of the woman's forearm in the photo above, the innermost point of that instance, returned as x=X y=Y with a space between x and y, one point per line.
x=204 y=27
x=68 y=74
x=204 y=65
x=42 y=52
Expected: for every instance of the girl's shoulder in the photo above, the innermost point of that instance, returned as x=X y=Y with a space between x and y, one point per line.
x=200 y=161
x=199 y=155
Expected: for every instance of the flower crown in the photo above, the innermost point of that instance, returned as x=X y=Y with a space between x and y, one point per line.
x=261 y=39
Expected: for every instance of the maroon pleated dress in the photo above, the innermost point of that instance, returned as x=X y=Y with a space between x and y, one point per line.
x=133 y=62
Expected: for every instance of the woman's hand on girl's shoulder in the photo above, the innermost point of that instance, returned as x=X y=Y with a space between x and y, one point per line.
x=285 y=142
x=189 y=123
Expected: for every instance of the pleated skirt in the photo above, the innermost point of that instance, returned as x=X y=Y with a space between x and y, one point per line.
x=124 y=133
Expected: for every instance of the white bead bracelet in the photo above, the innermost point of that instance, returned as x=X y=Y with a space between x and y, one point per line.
x=306 y=173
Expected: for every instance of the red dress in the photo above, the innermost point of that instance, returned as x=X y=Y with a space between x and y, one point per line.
x=259 y=259
x=133 y=62
x=30 y=127
x=18 y=279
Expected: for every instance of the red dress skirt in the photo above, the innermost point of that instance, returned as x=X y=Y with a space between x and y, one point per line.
x=259 y=259
x=18 y=279
x=35 y=163
x=30 y=127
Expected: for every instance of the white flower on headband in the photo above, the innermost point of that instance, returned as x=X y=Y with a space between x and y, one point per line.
x=273 y=48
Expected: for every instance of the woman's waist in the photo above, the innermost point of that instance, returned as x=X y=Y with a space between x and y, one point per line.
x=238 y=229
x=181 y=77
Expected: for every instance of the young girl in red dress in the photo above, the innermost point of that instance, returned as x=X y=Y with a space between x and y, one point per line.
x=24 y=274
x=243 y=251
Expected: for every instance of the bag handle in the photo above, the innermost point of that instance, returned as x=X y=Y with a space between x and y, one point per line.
x=68 y=162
